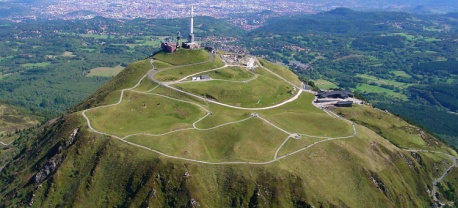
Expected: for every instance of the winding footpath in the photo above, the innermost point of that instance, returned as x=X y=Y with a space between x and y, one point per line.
x=6 y=144
x=441 y=178
x=151 y=73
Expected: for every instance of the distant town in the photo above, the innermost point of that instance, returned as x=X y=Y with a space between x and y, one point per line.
x=246 y=14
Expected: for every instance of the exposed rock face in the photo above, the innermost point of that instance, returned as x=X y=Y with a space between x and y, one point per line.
x=72 y=137
x=52 y=165
x=410 y=162
x=380 y=185
x=48 y=168
x=417 y=157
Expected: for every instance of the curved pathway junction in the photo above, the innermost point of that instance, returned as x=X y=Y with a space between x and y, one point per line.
x=151 y=73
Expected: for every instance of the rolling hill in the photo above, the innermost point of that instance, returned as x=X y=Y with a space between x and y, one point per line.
x=241 y=137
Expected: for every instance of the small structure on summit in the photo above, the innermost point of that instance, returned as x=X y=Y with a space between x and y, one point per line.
x=169 y=46
x=204 y=76
x=201 y=77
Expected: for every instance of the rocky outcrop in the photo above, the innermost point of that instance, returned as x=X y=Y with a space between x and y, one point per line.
x=410 y=162
x=51 y=165
x=48 y=168
x=380 y=185
x=417 y=157
x=72 y=138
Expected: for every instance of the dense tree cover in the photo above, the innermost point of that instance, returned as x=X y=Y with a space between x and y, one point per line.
x=444 y=95
x=437 y=67
x=339 y=21
x=377 y=42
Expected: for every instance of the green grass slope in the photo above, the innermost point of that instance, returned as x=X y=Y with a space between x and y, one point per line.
x=12 y=120
x=448 y=188
x=302 y=117
x=339 y=173
x=178 y=169
x=393 y=128
x=282 y=71
x=251 y=140
x=231 y=74
x=139 y=113
x=266 y=90
x=183 y=57
x=111 y=91
x=183 y=71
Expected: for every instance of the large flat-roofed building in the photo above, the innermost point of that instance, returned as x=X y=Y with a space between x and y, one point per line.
x=342 y=94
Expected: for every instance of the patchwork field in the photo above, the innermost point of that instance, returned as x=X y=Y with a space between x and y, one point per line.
x=385 y=81
x=366 y=88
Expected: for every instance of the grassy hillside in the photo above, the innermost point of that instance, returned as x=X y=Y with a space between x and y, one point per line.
x=251 y=140
x=264 y=91
x=139 y=113
x=182 y=57
x=337 y=173
x=183 y=71
x=282 y=71
x=394 y=129
x=154 y=146
x=231 y=74
x=12 y=120
x=125 y=79
x=105 y=71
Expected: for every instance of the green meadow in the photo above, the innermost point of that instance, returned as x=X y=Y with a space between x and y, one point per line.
x=183 y=71
x=266 y=90
x=105 y=71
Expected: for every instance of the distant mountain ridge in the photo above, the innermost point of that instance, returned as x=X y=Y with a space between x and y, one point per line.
x=339 y=20
x=21 y=8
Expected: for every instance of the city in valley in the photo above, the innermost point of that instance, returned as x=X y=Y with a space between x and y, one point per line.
x=236 y=11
